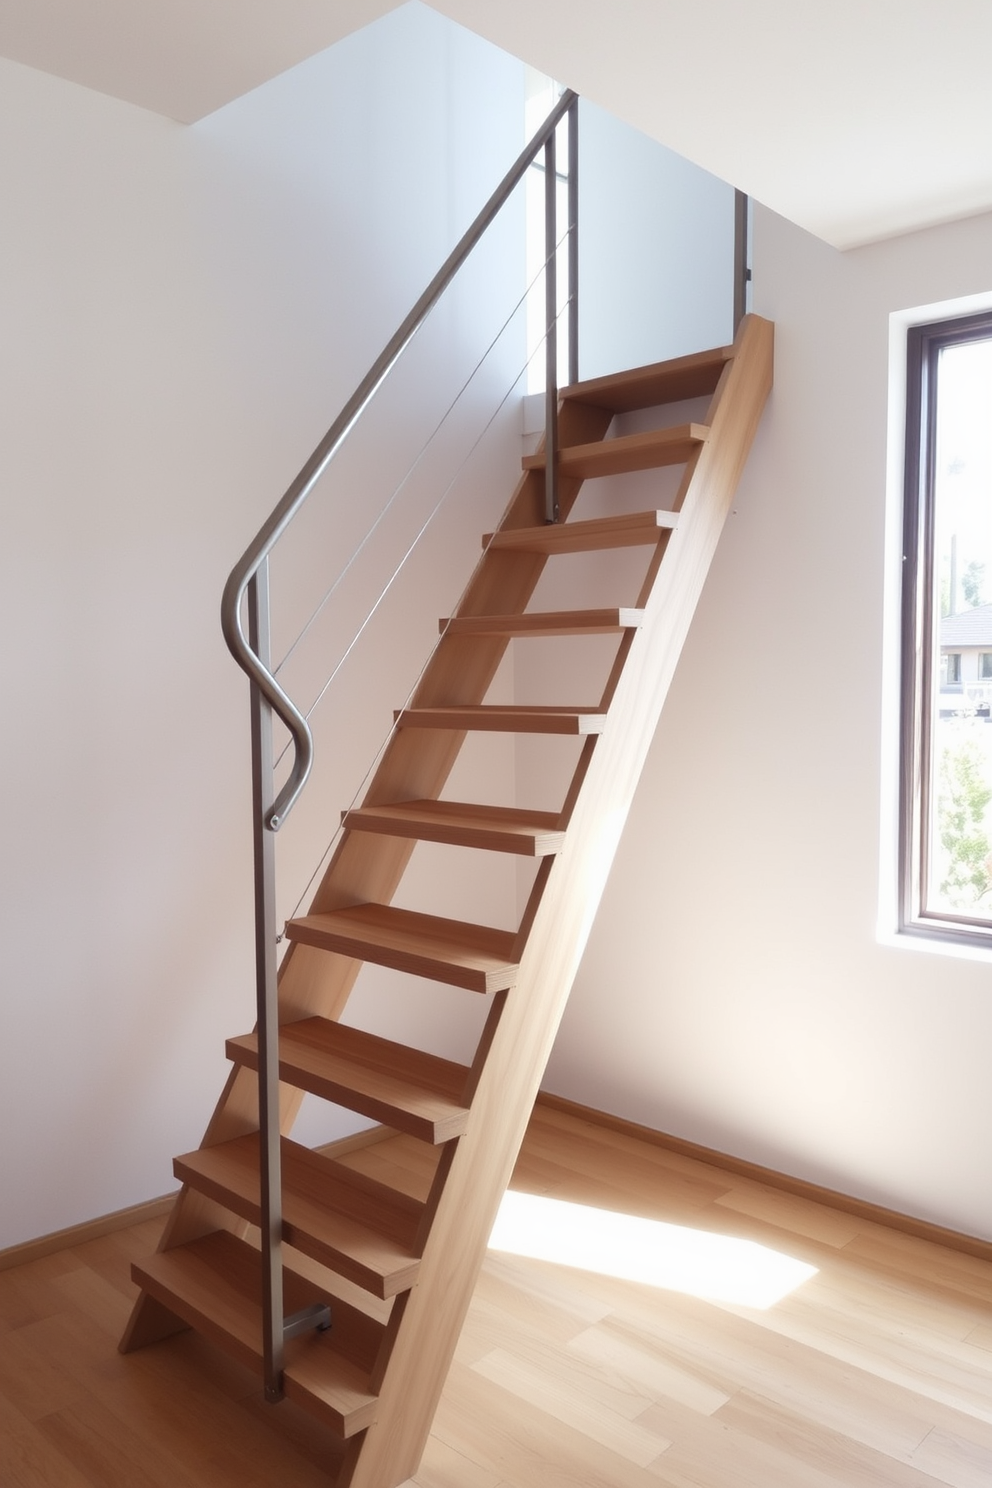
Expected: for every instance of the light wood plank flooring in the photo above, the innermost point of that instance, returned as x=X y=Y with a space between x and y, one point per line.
x=875 y=1371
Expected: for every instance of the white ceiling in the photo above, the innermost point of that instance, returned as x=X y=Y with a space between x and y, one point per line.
x=857 y=119
x=181 y=58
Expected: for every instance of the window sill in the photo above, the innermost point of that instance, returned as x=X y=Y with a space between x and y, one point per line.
x=938 y=941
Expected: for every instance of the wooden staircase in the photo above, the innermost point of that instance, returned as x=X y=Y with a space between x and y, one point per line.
x=397 y=1271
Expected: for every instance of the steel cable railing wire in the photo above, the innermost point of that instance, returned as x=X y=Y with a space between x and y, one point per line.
x=253 y=563
x=403 y=482
x=397 y=492
x=384 y=743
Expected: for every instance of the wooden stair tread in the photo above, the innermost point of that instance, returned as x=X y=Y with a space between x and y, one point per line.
x=343 y=1219
x=531 y=834
x=506 y=718
x=476 y=957
x=594 y=535
x=214 y=1284
x=417 y=1093
x=555 y=623
x=645 y=451
x=662 y=382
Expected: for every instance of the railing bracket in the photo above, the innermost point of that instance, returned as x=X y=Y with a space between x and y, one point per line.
x=317 y=1316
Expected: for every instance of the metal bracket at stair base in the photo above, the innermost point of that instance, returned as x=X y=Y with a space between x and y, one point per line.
x=317 y=1316
x=313 y=1319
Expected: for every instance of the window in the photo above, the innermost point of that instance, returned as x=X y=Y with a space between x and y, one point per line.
x=950 y=668
x=946 y=748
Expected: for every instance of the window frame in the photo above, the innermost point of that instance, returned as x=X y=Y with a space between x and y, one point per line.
x=920 y=654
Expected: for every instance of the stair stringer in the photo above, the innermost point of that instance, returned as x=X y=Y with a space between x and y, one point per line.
x=566 y=896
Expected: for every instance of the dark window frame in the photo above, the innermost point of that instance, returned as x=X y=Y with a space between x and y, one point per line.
x=920 y=656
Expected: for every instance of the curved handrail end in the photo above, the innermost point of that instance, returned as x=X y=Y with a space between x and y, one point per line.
x=260 y=676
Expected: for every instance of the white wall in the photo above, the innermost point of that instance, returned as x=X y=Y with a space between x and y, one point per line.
x=734 y=990
x=182 y=311
x=656 y=249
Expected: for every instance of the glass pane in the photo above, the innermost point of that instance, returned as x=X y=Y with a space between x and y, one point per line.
x=960 y=866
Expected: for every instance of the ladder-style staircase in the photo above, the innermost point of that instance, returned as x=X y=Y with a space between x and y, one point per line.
x=398 y=1272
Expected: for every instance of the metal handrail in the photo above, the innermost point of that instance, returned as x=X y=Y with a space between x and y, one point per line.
x=271 y=531
x=250 y=577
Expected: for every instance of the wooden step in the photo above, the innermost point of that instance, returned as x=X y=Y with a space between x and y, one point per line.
x=506 y=718
x=595 y=535
x=628 y=452
x=530 y=834
x=359 y=1228
x=471 y=956
x=557 y=623
x=646 y=387
x=405 y=1088
x=215 y=1283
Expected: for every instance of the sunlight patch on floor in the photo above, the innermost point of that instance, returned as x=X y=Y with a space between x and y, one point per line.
x=720 y=1268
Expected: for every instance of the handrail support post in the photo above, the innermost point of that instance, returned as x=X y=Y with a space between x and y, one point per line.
x=742 y=265
x=551 y=337
x=573 y=242
x=267 y=994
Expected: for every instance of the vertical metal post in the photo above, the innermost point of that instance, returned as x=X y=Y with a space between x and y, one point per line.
x=266 y=995
x=551 y=336
x=573 y=242
x=742 y=268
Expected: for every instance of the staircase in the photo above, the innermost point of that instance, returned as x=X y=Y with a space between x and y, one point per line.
x=397 y=1271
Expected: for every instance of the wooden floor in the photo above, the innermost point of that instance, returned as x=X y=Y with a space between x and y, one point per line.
x=877 y=1370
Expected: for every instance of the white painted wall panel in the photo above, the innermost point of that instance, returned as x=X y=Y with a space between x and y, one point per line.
x=656 y=254
x=183 y=311
x=734 y=991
